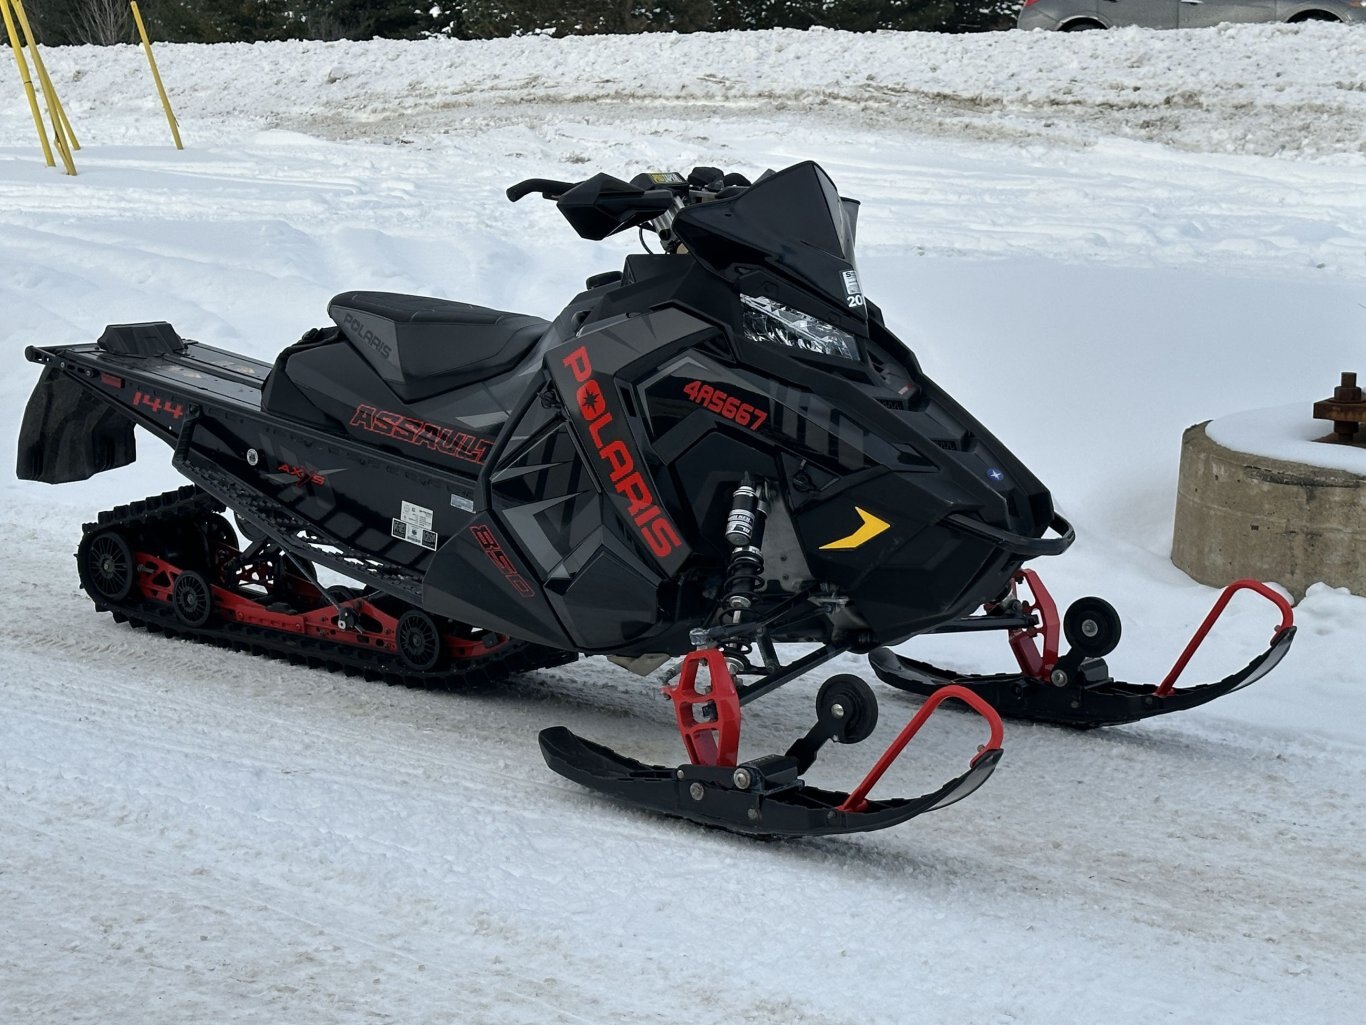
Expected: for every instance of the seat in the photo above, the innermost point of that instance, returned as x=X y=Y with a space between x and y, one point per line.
x=423 y=346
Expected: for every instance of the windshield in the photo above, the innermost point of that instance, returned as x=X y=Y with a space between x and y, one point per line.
x=793 y=221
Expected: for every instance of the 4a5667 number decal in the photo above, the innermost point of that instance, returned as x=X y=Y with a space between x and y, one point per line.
x=732 y=407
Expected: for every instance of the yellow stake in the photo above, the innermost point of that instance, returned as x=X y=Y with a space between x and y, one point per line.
x=28 y=82
x=147 y=45
x=66 y=122
x=43 y=76
x=54 y=106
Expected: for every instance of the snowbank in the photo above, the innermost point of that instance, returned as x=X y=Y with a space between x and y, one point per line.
x=1268 y=89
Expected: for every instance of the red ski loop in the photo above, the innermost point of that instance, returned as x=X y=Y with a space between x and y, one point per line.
x=1033 y=662
x=857 y=799
x=1287 y=621
x=709 y=720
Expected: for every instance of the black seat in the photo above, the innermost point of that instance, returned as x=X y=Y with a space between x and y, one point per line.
x=424 y=346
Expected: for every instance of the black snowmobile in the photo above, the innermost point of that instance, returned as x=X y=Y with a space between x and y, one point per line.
x=715 y=451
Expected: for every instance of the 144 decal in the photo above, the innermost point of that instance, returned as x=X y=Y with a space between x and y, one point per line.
x=159 y=405
x=732 y=407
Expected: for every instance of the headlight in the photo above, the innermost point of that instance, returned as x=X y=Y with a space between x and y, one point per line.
x=776 y=324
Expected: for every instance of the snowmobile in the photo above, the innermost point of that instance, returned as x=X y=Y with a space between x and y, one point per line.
x=718 y=450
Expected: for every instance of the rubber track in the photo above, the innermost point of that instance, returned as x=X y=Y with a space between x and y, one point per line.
x=191 y=503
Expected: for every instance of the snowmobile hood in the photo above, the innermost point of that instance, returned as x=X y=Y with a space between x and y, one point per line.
x=793 y=222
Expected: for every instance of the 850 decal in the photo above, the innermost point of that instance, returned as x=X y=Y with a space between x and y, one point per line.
x=732 y=407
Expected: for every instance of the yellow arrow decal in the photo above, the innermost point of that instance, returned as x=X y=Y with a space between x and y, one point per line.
x=871 y=528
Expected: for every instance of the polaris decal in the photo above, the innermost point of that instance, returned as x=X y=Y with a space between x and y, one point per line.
x=446 y=440
x=361 y=333
x=610 y=437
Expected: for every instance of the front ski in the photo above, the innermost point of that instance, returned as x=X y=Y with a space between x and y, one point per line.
x=1077 y=689
x=765 y=796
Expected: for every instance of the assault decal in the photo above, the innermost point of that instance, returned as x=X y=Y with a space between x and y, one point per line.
x=446 y=440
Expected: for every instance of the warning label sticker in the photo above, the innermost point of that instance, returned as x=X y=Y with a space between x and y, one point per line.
x=415 y=526
x=414 y=534
x=416 y=515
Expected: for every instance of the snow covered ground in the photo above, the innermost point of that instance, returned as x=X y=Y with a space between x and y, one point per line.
x=1093 y=241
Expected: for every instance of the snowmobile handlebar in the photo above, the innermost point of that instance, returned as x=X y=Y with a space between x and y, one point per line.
x=603 y=205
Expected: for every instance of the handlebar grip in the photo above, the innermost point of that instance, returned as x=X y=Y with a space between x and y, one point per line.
x=547 y=187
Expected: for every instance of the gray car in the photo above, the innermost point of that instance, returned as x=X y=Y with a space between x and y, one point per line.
x=1076 y=15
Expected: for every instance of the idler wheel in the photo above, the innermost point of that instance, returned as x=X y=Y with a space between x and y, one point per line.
x=220 y=540
x=418 y=641
x=849 y=707
x=192 y=598
x=1092 y=627
x=105 y=563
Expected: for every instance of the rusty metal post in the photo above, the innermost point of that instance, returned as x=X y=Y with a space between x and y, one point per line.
x=1347 y=409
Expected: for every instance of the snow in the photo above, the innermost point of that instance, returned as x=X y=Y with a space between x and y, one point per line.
x=1289 y=433
x=1093 y=241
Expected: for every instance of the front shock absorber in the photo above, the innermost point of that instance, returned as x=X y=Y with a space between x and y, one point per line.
x=745 y=570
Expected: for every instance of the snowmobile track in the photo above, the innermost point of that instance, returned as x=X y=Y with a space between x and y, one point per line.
x=190 y=503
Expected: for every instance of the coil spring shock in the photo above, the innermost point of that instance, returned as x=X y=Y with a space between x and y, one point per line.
x=745 y=571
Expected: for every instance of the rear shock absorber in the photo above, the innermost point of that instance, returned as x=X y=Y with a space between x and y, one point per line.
x=745 y=571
